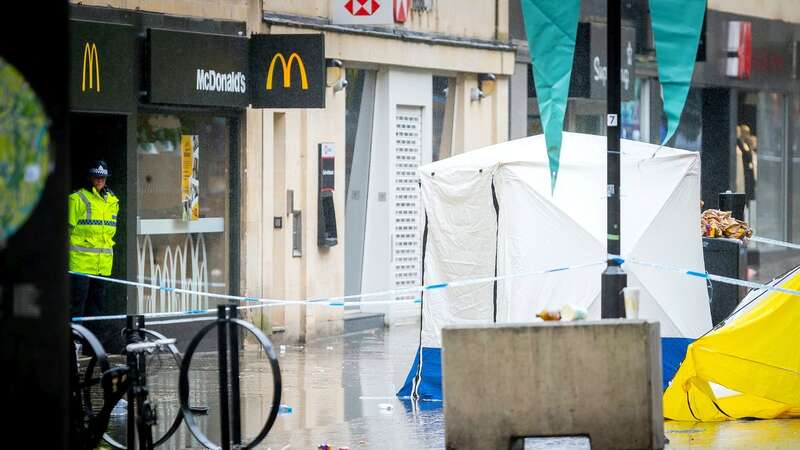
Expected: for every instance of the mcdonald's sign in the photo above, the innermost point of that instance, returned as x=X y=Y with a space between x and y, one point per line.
x=91 y=60
x=187 y=68
x=287 y=71
x=102 y=57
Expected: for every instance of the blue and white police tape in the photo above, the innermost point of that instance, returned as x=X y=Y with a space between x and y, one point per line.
x=708 y=276
x=338 y=301
x=175 y=290
x=192 y=312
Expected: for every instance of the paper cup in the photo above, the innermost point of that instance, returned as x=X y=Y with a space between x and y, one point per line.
x=631 y=295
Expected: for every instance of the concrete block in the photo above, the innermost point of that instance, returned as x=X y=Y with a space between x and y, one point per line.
x=601 y=379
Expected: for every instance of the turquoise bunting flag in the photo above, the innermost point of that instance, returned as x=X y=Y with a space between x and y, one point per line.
x=551 y=26
x=676 y=31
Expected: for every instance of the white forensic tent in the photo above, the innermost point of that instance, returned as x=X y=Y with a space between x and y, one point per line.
x=491 y=211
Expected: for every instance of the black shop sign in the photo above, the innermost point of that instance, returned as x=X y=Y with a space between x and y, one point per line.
x=287 y=71
x=598 y=70
x=590 y=63
x=101 y=61
x=197 y=69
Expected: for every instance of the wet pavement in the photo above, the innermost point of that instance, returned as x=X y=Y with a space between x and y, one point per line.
x=341 y=391
x=736 y=435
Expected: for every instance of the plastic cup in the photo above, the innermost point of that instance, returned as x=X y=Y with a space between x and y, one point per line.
x=631 y=295
x=570 y=313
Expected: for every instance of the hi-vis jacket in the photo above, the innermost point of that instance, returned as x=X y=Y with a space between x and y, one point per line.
x=92 y=225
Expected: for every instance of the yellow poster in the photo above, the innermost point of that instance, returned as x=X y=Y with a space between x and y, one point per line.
x=190 y=182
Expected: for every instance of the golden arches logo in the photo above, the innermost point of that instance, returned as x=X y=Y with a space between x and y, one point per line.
x=90 y=56
x=287 y=70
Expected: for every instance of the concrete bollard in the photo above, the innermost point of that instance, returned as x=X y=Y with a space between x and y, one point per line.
x=600 y=379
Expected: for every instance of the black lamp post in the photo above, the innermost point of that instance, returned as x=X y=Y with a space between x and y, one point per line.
x=614 y=278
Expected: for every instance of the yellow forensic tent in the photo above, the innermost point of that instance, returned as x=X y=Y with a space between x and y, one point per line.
x=747 y=368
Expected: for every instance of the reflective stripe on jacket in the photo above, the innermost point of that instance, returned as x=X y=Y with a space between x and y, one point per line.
x=92 y=226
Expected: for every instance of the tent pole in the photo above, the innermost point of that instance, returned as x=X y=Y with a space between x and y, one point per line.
x=614 y=278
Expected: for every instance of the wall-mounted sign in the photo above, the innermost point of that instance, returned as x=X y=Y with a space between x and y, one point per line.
x=101 y=67
x=197 y=69
x=326 y=220
x=287 y=70
x=327 y=163
x=362 y=12
x=401 y=8
x=739 y=50
x=598 y=62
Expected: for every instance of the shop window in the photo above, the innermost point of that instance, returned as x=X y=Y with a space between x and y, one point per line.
x=442 y=116
x=534 y=125
x=421 y=5
x=183 y=211
x=767 y=143
x=630 y=114
x=586 y=116
x=689 y=135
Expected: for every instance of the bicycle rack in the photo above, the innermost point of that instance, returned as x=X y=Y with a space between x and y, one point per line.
x=88 y=426
x=228 y=341
x=136 y=333
x=131 y=379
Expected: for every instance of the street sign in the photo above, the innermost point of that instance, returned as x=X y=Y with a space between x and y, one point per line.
x=362 y=12
x=287 y=70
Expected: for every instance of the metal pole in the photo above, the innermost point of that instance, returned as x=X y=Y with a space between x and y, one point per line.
x=233 y=338
x=134 y=324
x=614 y=278
x=222 y=347
x=131 y=360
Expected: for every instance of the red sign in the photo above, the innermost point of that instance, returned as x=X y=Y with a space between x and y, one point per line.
x=745 y=50
x=362 y=7
x=401 y=10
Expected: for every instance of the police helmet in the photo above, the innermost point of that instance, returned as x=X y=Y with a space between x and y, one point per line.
x=98 y=168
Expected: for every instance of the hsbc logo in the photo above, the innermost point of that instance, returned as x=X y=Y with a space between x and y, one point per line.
x=362 y=12
x=362 y=7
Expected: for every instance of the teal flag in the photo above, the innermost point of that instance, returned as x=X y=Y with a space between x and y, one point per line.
x=676 y=31
x=551 y=26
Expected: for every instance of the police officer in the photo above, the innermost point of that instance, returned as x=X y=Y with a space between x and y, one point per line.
x=92 y=225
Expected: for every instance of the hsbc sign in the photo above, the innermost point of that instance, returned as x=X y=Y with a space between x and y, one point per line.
x=362 y=12
x=401 y=10
x=362 y=8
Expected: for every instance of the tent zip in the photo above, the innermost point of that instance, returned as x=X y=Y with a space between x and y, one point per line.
x=496 y=236
x=415 y=386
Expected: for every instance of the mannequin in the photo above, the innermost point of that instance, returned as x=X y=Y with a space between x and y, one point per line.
x=746 y=164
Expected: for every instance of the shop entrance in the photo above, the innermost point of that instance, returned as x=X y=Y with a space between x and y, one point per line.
x=104 y=136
